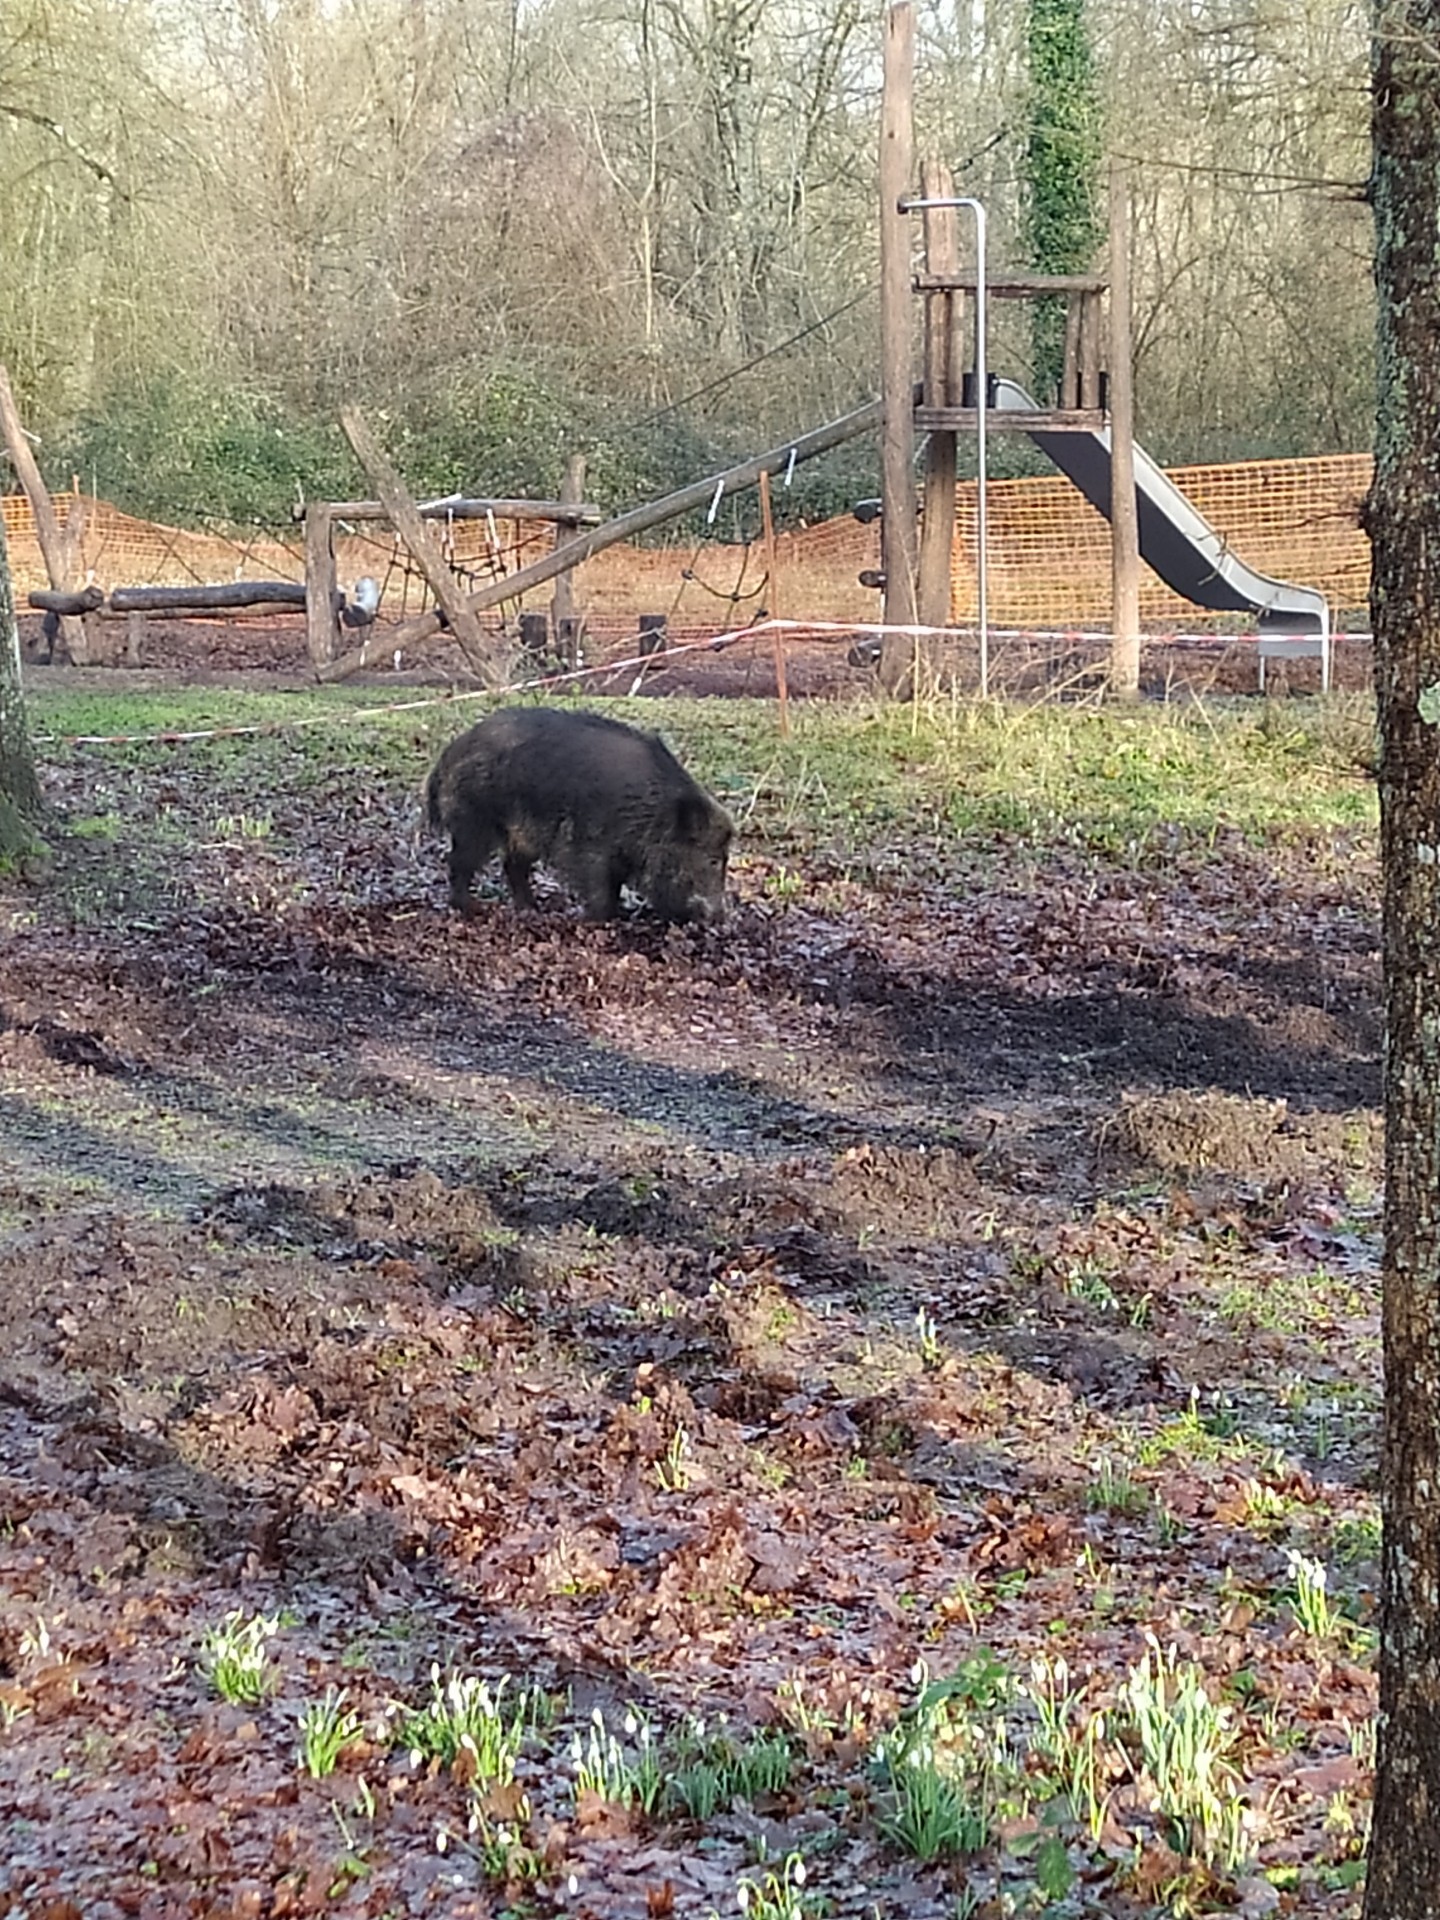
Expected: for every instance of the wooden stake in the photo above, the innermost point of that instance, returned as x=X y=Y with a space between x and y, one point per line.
x=1124 y=514
x=322 y=623
x=53 y=548
x=562 y=601
x=406 y=519
x=772 y=602
x=937 y=527
x=897 y=440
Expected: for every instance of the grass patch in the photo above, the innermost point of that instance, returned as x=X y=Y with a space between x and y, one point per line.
x=1128 y=784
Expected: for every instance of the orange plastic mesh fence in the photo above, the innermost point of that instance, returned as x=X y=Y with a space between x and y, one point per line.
x=1048 y=555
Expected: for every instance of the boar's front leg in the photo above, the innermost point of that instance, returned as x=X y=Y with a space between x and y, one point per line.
x=598 y=883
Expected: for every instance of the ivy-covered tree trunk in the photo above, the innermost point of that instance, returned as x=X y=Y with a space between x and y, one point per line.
x=1062 y=167
x=1404 y=1871
x=19 y=788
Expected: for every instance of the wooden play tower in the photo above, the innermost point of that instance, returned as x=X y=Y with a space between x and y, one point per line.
x=1095 y=389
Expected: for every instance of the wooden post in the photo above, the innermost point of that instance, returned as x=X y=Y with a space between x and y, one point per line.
x=417 y=536
x=1124 y=514
x=772 y=602
x=570 y=642
x=562 y=600
x=322 y=624
x=897 y=439
x=72 y=549
x=1089 y=349
x=47 y=527
x=937 y=527
x=1069 y=393
x=535 y=637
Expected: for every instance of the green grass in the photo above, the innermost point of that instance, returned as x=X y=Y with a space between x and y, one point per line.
x=1128 y=783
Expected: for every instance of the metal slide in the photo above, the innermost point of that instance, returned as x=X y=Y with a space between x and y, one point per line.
x=1177 y=541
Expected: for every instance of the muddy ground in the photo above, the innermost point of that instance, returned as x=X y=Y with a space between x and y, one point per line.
x=362 y=1266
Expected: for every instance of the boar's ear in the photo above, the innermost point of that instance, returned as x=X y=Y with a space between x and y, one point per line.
x=695 y=817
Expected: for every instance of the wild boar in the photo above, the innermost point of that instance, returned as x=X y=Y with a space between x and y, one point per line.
x=602 y=804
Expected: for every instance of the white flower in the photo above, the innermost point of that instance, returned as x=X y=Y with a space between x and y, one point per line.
x=799 y=1871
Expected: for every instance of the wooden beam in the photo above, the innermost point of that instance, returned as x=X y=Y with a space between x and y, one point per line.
x=53 y=545
x=898 y=543
x=1013 y=286
x=406 y=519
x=585 y=546
x=1011 y=420
x=1124 y=512
x=942 y=381
x=574 y=513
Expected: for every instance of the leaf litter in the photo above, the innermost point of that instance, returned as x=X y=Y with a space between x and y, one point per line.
x=931 y=1263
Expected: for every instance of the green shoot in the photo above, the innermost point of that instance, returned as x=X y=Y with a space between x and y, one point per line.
x=234 y=1660
x=326 y=1729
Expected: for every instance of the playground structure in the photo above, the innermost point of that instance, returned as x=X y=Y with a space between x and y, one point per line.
x=1086 y=433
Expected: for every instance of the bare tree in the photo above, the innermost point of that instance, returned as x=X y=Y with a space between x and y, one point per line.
x=1403 y=1882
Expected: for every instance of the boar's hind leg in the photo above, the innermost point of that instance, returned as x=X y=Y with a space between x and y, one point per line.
x=518 y=870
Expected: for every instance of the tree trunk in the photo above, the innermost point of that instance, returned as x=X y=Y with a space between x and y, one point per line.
x=19 y=788
x=1062 y=164
x=1404 y=1871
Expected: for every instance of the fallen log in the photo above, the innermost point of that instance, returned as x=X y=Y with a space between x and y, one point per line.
x=47 y=600
x=234 y=593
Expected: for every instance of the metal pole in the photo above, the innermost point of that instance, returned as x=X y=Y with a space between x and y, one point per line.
x=982 y=401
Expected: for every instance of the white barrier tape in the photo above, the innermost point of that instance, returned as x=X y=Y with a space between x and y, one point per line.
x=716 y=643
